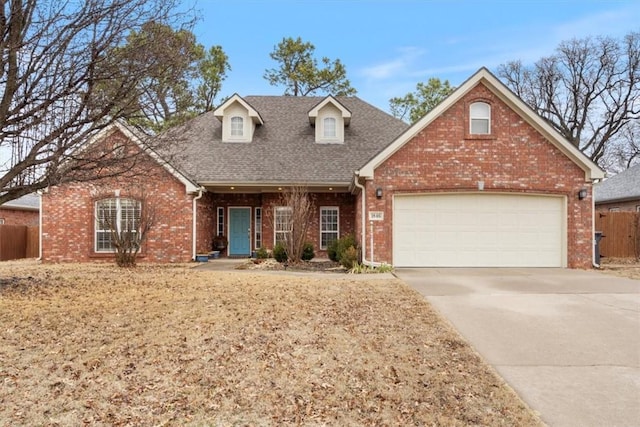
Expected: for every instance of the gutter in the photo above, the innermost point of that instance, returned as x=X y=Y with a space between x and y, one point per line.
x=195 y=217
x=364 y=225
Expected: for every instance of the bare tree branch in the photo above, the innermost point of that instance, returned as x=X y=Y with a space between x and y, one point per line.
x=55 y=58
x=589 y=90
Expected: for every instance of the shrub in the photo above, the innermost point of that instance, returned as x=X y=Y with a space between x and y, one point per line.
x=262 y=253
x=349 y=257
x=332 y=251
x=280 y=253
x=337 y=248
x=307 y=252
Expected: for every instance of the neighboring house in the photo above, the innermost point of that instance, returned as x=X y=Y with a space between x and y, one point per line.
x=22 y=211
x=621 y=192
x=479 y=181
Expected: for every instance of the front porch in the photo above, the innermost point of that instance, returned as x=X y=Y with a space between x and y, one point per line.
x=249 y=219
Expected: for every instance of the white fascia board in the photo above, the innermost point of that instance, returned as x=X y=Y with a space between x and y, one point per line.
x=346 y=114
x=592 y=171
x=253 y=113
x=273 y=184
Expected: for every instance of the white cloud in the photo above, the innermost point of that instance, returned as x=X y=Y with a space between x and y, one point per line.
x=394 y=67
x=616 y=22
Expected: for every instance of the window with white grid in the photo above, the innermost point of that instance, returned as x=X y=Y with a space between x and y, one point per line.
x=115 y=216
x=329 y=226
x=282 y=224
x=220 y=221
x=258 y=228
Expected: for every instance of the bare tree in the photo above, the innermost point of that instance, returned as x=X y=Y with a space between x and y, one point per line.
x=128 y=220
x=54 y=60
x=298 y=201
x=589 y=90
x=624 y=152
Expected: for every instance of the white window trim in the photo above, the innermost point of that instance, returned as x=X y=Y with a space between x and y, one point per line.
x=257 y=226
x=472 y=118
x=637 y=208
x=220 y=224
x=275 y=215
x=324 y=128
x=614 y=209
x=337 y=209
x=231 y=128
x=321 y=137
x=118 y=201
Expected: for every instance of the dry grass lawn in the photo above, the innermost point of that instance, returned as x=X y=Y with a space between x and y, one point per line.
x=622 y=267
x=170 y=345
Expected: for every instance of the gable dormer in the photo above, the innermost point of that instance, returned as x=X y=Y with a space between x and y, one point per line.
x=239 y=119
x=330 y=118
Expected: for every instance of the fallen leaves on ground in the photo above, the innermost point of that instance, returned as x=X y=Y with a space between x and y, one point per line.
x=170 y=345
x=621 y=267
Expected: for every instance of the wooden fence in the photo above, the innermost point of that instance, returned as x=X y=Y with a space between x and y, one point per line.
x=19 y=241
x=620 y=234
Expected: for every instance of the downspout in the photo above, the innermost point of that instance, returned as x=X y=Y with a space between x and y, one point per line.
x=363 y=238
x=195 y=217
x=39 y=226
x=593 y=227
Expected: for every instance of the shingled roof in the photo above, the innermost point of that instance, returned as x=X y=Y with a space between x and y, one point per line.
x=620 y=187
x=29 y=202
x=283 y=150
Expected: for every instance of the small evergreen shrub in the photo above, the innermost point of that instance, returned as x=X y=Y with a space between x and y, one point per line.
x=337 y=248
x=307 y=252
x=262 y=253
x=280 y=253
x=349 y=257
x=332 y=251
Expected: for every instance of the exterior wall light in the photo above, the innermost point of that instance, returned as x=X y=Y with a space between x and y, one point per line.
x=582 y=194
x=379 y=193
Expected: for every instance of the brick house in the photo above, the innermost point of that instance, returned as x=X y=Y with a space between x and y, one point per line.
x=481 y=180
x=22 y=211
x=619 y=193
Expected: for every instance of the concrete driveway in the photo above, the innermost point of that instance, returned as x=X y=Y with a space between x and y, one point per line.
x=567 y=341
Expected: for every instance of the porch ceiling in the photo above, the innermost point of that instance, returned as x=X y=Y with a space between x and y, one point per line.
x=253 y=188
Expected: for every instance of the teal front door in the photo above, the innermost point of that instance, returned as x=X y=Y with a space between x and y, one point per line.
x=239 y=231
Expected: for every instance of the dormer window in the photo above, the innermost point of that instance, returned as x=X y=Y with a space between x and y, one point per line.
x=329 y=128
x=480 y=118
x=237 y=126
x=330 y=118
x=239 y=120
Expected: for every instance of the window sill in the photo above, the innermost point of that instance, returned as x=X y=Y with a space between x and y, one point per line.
x=480 y=137
x=108 y=255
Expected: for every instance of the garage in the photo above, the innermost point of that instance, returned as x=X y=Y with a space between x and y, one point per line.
x=479 y=230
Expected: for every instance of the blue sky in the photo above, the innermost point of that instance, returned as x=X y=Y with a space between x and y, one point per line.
x=389 y=46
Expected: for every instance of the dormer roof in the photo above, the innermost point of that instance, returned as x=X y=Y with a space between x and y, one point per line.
x=313 y=113
x=253 y=113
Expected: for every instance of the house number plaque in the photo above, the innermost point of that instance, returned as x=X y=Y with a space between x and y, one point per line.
x=376 y=215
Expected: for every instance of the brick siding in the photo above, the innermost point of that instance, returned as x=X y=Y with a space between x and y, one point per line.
x=443 y=157
x=18 y=216
x=68 y=216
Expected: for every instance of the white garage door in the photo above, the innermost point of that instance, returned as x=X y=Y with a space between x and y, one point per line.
x=478 y=230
